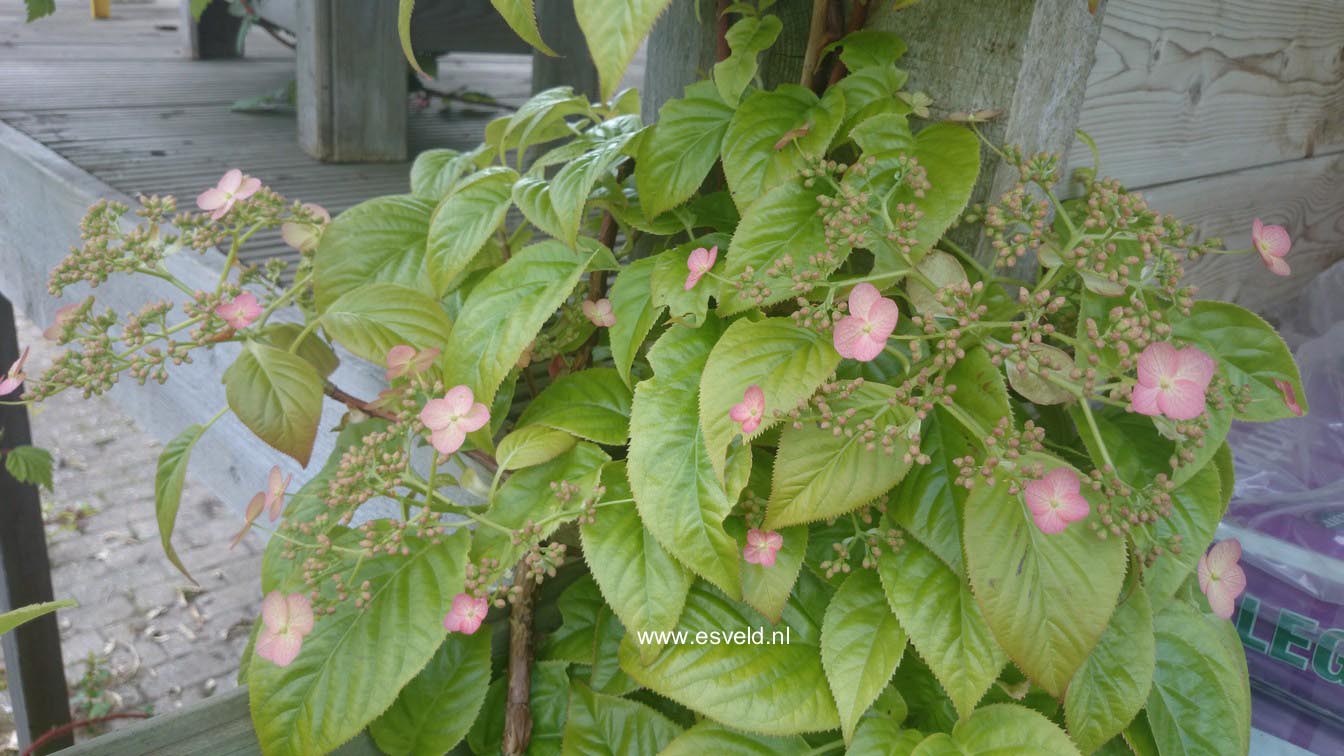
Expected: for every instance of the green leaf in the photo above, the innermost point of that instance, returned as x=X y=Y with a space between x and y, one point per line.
x=870 y=92
x=667 y=283
x=614 y=32
x=168 y=481
x=1000 y=729
x=592 y=404
x=1196 y=508
x=312 y=349
x=540 y=119
x=12 y=619
x=1250 y=352
x=767 y=589
x=884 y=132
x=752 y=163
x=521 y=16
x=337 y=685
x=404 y=10
x=883 y=736
x=682 y=148
x=1140 y=451
x=710 y=737
x=775 y=689
x=787 y=361
x=438 y=706
x=869 y=48
x=861 y=644
x=30 y=464
x=1028 y=583
x=464 y=221
x=940 y=268
x=549 y=699
x=782 y=223
x=591 y=636
x=1032 y=379
x=946 y=627
x=370 y=320
x=278 y=396
x=557 y=206
x=634 y=311
x=505 y=311
x=38 y=8
x=382 y=239
x=747 y=38
x=602 y=724
x=1112 y=685
x=981 y=393
x=822 y=473
x=928 y=503
x=1200 y=701
x=435 y=172
x=530 y=445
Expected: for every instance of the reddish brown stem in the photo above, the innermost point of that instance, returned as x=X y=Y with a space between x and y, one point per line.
x=355 y=403
x=858 y=16
x=721 y=51
x=69 y=727
x=518 y=711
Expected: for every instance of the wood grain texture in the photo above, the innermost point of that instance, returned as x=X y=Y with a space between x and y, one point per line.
x=1192 y=88
x=572 y=64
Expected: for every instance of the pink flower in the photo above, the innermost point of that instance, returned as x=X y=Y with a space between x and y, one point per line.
x=1056 y=500
x=862 y=334
x=699 y=263
x=1272 y=242
x=466 y=615
x=403 y=360
x=233 y=186
x=272 y=500
x=1220 y=577
x=750 y=410
x=451 y=418
x=302 y=235
x=1289 y=396
x=286 y=620
x=762 y=547
x=63 y=316
x=14 y=378
x=1172 y=381
x=599 y=313
x=240 y=311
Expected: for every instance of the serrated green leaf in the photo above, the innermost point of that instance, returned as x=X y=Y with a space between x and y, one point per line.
x=782 y=223
x=278 y=396
x=591 y=636
x=13 y=618
x=868 y=48
x=1200 y=701
x=505 y=311
x=312 y=349
x=435 y=172
x=549 y=702
x=634 y=311
x=927 y=503
x=861 y=644
x=1112 y=685
x=614 y=32
x=1031 y=378
x=540 y=119
x=882 y=736
x=667 y=283
x=39 y=8
x=530 y=445
x=786 y=361
x=602 y=724
x=998 y=729
x=1250 y=352
x=404 y=10
x=464 y=221
x=883 y=132
x=438 y=706
x=557 y=206
x=521 y=16
x=370 y=320
x=684 y=145
x=336 y=686
x=821 y=473
x=767 y=589
x=30 y=464
x=752 y=163
x=169 y=477
x=747 y=38
x=592 y=404
x=1196 y=508
x=382 y=239
x=946 y=626
x=775 y=689
x=939 y=268
x=710 y=737
x=981 y=393
x=1028 y=583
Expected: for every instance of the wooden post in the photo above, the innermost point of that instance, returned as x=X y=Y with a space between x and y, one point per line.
x=214 y=36
x=33 y=666
x=351 y=82
x=572 y=66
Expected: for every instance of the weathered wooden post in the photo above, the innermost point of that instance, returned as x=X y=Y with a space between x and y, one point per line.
x=33 y=665
x=572 y=66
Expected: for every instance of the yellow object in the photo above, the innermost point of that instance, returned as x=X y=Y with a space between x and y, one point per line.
x=101 y=8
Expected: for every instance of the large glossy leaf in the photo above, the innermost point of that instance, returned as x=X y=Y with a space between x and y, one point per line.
x=592 y=404
x=435 y=172
x=752 y=163
x=370 y=320
x=1250 y=352
x=347 y=672
x=634 y=311
x=782 y=223
x=169 y=478
x=313 y=349
x=1200 y=702
x=382 y=239
x=928 y=503
x=602 y=724
x=438 y=706
x=710 y=737
x=946 y=627
x=1112 y=685
x=861 y=644
x=675 y=158
x=1047 y=598
x=786 y=361
x=775 y=689
x=530 y=445
x=463 y=222
x=821 y=473
x=1140 y=452
x=614 y=32
x=278 y=396
x=521 y=16
x=505 y=311
x=12 y=619
x=1000 y=729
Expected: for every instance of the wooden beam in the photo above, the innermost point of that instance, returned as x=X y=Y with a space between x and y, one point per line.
x=352 y=82
x=572 y=65
x=33 y=665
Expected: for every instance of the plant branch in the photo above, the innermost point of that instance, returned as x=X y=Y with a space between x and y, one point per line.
x=858 y=16
x=721 y=49
x=518 y=710
x=354 y=402
x=816 y=35
x=69 y=727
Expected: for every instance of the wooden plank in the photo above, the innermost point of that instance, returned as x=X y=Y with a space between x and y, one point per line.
x=33 y=666
x=1183 y=89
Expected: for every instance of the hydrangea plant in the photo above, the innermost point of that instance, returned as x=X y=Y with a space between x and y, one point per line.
x=725 y=444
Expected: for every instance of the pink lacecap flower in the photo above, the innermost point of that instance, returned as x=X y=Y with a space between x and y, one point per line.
x=749 y=412
x=1289 y=396
x=1172 y=382
x=403 y=360
x=451 y=418
x=14 y=378
x=271 y=501
x=762 y=547
x=1220 y=577
x=233 y=186
x=304 y=236
x=862 y=334
x=1056 y=500
x=286 y=620
x=466 y=615
x=1273 y=243
x=63 y=315
x=699 y=263
x=599 y=313
x=240 y=311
